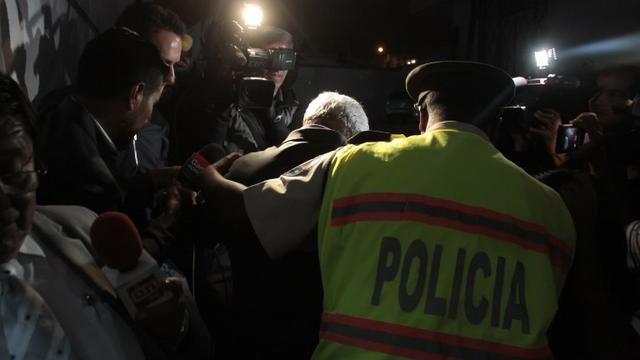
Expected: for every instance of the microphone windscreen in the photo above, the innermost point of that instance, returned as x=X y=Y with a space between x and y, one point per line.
x=116 y=240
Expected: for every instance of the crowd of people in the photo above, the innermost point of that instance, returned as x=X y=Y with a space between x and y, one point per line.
x=325 y=239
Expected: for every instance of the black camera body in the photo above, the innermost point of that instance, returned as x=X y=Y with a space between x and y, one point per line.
x=255 y=91
x=239 y=69
x=270 y=59
x=566 y=94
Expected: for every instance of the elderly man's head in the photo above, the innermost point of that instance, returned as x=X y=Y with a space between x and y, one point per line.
x=338 y=112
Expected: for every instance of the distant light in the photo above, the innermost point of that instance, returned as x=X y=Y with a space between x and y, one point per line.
x=412 y=61
x=543 y=57
x=380 y=49
x=409 y=62
x=252 y=15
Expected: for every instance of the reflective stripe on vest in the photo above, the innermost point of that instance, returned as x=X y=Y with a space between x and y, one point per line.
x=416 y=343
x=453 y=215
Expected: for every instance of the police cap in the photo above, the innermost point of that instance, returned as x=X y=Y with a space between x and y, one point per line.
x=481 y=81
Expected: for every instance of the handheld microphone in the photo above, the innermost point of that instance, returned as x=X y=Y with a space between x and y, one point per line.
x=132 y=272
x=193 y=167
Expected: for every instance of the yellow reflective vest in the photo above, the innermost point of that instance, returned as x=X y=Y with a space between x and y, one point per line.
x=436 y=246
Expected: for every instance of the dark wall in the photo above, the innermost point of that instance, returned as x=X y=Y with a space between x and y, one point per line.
x=42 y=39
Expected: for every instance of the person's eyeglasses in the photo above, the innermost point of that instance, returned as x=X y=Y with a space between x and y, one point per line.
x=420 y=104
x=20 y=182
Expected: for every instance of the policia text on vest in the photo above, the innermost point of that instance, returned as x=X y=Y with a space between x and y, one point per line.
x=444 y=266
x=419 y=288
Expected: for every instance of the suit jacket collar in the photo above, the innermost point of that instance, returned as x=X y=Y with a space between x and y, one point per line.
x=316 y=134
x=120 y=163
x=74 y=250
x=88 y=123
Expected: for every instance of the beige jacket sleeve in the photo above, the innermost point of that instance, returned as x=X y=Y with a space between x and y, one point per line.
x=284 y=211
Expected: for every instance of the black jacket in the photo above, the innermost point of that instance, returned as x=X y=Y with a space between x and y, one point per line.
x=277 y=303
x=301 y=145
x=204 y=119
x=83 y=168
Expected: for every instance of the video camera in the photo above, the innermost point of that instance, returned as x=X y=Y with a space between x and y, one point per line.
x=270 y=59
x=243 y=66
x=566 y=94
x=562 y=93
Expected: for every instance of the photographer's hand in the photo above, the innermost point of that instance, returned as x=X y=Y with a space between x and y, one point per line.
x=589 y=122
x=593 y=148
x=547 y=123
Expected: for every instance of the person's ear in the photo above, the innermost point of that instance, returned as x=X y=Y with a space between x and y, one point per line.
x=424 y=120
x=136 y=95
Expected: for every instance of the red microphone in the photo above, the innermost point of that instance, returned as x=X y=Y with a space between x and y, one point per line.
x=116 y=240
x=192 y=168
x=132 y=272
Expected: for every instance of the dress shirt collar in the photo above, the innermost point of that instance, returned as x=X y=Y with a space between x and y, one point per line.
x=31 y=247
x=13 y=266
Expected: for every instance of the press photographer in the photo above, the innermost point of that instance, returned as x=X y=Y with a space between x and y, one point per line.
x=532 y=133
x=238 y=95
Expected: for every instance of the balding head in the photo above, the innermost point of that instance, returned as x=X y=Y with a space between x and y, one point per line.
x=338 y=112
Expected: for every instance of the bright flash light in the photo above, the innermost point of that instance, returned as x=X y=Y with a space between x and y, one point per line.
x=542 y=60
x=252 y=15
x=408 y=62
x=412 y=61
x=544 y=56
x=380 y=49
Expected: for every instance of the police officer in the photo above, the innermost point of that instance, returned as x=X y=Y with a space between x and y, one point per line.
x=433 y=246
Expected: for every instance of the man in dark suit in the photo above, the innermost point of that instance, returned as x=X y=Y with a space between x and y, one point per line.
x=277 y=303
x=164 y=29
x=120 y=79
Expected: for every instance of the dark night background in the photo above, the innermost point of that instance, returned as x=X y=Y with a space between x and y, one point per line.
x=337 y=40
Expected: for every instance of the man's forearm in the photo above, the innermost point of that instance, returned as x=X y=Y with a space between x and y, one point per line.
x=223 y=197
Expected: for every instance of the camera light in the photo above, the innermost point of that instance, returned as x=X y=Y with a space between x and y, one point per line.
x=252 y=15
x=542 y=60
x=380 y=49
x=543 y=57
